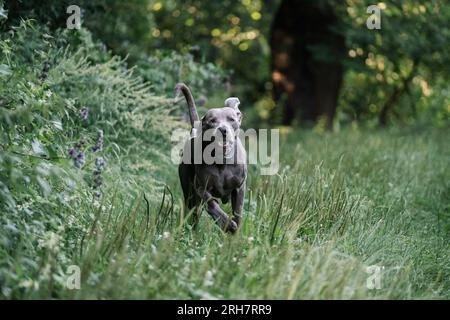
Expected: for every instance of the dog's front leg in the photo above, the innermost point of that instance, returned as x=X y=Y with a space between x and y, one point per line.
x=216 y=212
x=237 y=203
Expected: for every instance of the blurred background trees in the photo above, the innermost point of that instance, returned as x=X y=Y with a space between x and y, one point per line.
x=291 y=62
x=307 y=52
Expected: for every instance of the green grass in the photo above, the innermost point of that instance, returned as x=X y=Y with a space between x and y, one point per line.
x=341 y=202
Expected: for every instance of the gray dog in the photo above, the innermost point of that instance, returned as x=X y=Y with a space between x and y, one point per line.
x=204 y=182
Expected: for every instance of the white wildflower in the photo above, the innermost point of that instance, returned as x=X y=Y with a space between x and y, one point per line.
x=50 y=242
x=208 y=280
x=28 y=283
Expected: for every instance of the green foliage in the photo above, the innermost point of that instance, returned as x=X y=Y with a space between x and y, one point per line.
x=399 y=69
x=393 y=75
x=122 y=25
x=227 y=33
x=138 y=28
x=397 y=72
x=48 y=80
x=203 y=79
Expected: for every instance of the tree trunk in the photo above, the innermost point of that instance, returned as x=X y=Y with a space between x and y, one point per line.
x=306 y=60
x=395 y=96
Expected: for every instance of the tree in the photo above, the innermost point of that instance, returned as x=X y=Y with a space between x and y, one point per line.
x=392 y=71
x=306 y=60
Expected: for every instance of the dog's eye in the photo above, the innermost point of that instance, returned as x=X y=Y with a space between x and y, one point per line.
x=213 y=120
x=231 y=119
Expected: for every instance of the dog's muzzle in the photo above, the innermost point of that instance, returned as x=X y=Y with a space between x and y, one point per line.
x=225 y=139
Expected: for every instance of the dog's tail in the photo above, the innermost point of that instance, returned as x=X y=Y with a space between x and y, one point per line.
x=181 y=87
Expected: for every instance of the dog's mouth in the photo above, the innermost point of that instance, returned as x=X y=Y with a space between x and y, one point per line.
x=227 y=147
x=225 y=144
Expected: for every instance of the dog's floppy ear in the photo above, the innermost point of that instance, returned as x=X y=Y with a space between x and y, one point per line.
x=233 y=103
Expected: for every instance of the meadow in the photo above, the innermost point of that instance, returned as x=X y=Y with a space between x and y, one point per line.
x=342 y=201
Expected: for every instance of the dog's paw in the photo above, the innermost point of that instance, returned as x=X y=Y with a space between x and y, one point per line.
x=231 y=226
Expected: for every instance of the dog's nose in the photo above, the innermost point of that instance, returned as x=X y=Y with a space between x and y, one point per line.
x=223 y=131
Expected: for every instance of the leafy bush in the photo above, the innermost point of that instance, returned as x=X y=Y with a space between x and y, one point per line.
x=172 y=66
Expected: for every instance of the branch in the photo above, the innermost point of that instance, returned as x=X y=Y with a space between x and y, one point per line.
x=396 y=94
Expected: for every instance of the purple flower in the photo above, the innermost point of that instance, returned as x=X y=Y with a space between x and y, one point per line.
x=77 y=155
x=99 y=144
x=84 y=113
x=79 y=160
x=99 y=163
x=98 y=181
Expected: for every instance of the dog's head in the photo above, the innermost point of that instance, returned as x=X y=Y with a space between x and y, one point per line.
x=224 y=123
